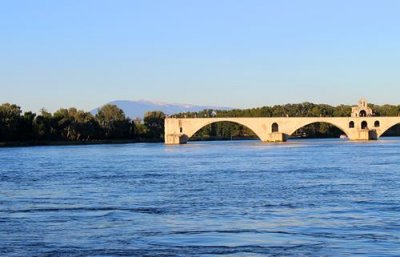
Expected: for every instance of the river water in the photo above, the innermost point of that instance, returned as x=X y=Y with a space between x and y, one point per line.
x=233 y=198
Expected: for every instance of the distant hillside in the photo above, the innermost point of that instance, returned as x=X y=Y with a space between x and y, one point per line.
x=137 y=109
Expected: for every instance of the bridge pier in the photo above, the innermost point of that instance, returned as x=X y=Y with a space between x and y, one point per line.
x=176 y=139
x=276 y=137
x=363 y=135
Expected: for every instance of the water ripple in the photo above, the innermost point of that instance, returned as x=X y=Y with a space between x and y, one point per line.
x=304 y=198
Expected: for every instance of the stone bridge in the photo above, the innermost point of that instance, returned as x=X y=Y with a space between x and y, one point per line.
x=179 y=130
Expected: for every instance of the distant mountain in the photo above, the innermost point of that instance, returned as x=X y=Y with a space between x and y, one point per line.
x=137 y=109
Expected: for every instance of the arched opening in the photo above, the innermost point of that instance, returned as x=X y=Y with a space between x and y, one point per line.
x=377 y=124
x=364 y=125
x=363 y=113
x=318 y=130
x=351 y=124
x=393 y=131
x=223 y=130
x=275 y=127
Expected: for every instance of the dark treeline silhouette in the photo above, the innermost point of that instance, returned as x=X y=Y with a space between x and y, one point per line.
x=110 y=123
x=228 y=130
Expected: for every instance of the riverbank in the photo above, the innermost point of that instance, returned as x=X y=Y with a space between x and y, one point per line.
x=133 y=141
x=101 y=142
x=89 y=142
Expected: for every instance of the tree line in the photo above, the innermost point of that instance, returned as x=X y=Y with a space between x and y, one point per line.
x=109 y=123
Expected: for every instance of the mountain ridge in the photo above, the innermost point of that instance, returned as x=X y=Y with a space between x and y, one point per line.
x=137 y=108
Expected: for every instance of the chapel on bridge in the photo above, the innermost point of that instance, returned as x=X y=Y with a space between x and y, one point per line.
x=362 y=109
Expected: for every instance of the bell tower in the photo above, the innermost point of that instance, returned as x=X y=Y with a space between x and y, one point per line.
x=362 y=109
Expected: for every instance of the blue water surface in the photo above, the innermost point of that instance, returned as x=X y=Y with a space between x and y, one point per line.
x=233 y=198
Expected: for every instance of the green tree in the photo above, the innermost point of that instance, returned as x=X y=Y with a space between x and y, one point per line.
x=45 y=126
x=87 y=127
x=139 y=129
x=65 y=123
x=154 y=122
x=113 y=122
x=73 y=124
x=26 y=126
x=9 y=122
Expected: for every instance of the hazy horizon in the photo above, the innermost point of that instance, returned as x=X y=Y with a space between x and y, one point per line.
x=161 y=103
x=227 y=53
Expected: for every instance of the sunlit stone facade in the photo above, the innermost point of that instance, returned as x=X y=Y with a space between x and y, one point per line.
x=362 y=109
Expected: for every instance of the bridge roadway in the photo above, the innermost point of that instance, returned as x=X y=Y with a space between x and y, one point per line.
x=271 y=129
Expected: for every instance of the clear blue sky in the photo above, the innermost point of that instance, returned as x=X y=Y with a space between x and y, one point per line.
x=249 y=53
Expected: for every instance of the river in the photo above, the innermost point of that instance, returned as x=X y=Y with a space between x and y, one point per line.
x=317 y=197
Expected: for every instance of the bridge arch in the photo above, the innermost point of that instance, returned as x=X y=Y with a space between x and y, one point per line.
x=386 y=127
x=193 y=130
x=178 y=130
x=341 y=127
